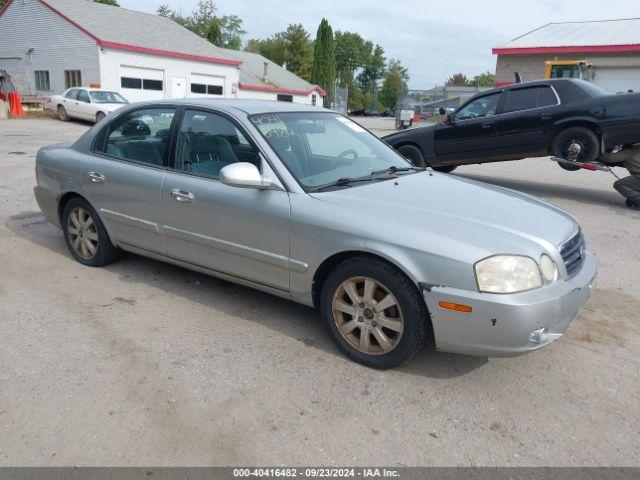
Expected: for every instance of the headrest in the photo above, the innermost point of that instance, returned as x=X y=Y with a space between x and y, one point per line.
x=135 y=128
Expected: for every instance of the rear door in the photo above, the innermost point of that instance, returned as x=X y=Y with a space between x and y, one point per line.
x=527 y=115
x=472 y=134
x=123 y=179
x=243 y=232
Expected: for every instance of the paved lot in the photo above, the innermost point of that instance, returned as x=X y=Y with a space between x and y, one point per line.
x=142 y=363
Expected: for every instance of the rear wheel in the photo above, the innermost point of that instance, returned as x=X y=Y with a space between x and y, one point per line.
x=62 y=113
x=85 y=235
x=445 y=169
x=585 y=138
x=374 y=312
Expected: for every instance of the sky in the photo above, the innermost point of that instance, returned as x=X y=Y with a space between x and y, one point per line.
x=434 y=39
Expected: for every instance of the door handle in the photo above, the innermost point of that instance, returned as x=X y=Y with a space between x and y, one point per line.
x=488 y=125
x=96 y=177
x=182 y=196
x=545 y=116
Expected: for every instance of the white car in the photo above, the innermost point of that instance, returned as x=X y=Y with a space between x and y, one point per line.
x=91 y=104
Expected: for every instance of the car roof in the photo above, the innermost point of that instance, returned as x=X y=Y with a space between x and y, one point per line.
x=533 y=83
x=248 y=107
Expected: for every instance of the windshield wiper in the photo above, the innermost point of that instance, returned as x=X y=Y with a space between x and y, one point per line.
x=395 y=169
x=346 y=181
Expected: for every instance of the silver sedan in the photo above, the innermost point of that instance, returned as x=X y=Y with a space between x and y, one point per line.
x=305 y=204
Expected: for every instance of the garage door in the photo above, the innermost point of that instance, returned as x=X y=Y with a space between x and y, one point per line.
x=616 y=79
x=137 y=84
x=206 y=86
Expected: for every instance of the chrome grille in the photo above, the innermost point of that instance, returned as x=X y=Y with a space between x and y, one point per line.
x=572 y=253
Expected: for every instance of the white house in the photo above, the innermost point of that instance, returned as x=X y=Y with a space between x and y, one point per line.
x=50 y=45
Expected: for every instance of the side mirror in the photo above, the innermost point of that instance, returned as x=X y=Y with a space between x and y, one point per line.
x=451 y=118
x=245 y=175
x=442 y=111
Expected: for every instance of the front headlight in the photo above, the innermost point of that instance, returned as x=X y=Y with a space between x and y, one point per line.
x=507 y=274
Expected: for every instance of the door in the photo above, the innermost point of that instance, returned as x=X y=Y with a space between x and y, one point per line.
x=139 y=84
x=70 y=102
x=617 y=79
x=527 y=115
x=178 y=87
x=471 y=135
x=124 y=179
x=84 y=107
x=242 y=232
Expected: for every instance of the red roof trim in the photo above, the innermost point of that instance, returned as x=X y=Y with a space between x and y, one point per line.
x=575 y=49
x=122 y=46
x=153 y=51
x=259 y=88
x=503 y=84
x=2 y=10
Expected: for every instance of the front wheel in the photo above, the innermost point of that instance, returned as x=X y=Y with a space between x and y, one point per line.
x=585 y=138
x=99 y=116
x=445 y=169
x=374 y=313
x=413 y=154
x=62 y=113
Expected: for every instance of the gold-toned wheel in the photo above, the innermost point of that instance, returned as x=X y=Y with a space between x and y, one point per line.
x=367 y=315
x=83 y=235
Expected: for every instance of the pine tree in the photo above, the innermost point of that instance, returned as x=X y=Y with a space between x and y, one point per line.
x=323 y=72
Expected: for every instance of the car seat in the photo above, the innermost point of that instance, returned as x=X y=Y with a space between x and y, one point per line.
x=282 y=145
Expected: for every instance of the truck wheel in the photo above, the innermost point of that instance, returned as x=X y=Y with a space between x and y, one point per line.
x=62 y=114
x=586 y=138
x=374 y=312
x=413 y=154
x=445 y=169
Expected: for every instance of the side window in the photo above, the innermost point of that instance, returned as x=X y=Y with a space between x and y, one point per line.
x=546 y=97
x=72 y=94
x=141 y=136
x=83 y=96
x=480 y=107
x=521 y=99
x=208 y=142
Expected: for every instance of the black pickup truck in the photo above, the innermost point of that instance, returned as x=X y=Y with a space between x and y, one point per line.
x=525 y=120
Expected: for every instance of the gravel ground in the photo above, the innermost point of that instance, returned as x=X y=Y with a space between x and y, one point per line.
x=142 y=363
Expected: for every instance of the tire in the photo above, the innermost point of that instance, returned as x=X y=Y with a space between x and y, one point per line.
x=62 y=114
x=78 y=216
x=445 y=169
x=100 y=116
x=406 y=320
x=413 y=154
x=586 y=138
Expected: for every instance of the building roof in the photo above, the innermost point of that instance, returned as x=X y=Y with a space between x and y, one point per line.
x=120 y=28
x=577 y=37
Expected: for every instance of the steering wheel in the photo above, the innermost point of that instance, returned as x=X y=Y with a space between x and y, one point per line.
x=349 y=151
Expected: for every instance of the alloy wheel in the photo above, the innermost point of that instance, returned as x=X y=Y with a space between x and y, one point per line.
x=367 y=315
x=83 y=234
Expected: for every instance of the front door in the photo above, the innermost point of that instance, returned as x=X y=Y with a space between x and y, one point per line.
x=528 y=114
x=84 y=108
x=123 y=180
x=471 y=135
x=178 y=87
x=241 y=232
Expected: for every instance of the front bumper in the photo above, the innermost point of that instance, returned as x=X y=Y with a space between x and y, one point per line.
x=500 y=324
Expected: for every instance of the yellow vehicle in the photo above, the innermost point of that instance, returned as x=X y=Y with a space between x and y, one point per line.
x=579 y=69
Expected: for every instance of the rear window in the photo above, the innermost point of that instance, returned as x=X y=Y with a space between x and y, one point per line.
x=532 y=97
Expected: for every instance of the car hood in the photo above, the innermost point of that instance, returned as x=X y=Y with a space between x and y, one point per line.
x=438 y=211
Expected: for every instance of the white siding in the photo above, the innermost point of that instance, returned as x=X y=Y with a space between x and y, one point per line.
x=114 y=62
x=258 y=95
x=57 y=46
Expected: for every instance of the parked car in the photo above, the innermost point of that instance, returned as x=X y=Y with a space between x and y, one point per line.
x=307 y=205
x=364 y=112
x=91 y=104
x=525 y=120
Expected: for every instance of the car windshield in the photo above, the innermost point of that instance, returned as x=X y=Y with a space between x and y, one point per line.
x=107 y=97
x=324 y=149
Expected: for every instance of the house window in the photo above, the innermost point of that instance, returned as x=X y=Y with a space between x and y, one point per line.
x=206 y=89
x=43 y=83
x=151 y=84
x=128 y=82
x=72 y=78
x=285 y=98
x=313 y=100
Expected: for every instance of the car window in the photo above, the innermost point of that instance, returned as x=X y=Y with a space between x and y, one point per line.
x=72 y=94
x=521 y=99
x=546 y=97
x=140 y=136
x=107 y=97
x=208 y=142
x=480 y=107
x=83 y=96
